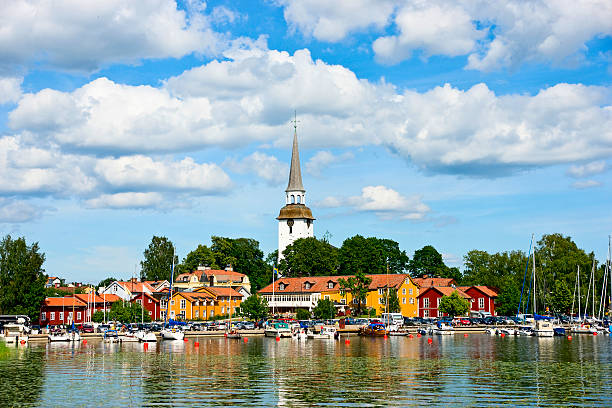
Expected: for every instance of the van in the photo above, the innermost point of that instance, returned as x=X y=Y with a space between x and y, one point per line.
x=393 y=318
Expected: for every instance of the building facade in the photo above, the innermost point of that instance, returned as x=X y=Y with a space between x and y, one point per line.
x=205 y=276
x=482 y=299
x=204 y=303
x=429 y=299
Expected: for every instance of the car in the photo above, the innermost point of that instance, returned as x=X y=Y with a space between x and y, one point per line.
x=87 y=328
x=464 y=321
x=248 y=326
x=221 y=326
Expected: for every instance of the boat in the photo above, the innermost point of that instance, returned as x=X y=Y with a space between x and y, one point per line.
x=172 y=333
x=58 y=335
x=583 y=329
x=559 y=331
x=14 y=333
x=525 y=331
x=443 y=328
x=145 y=336
x=491 y=330
x=327 y=332
x=74 y=336
x=373 y=330
x=128 y=337
x=277 y=329
x=507 y=331
x=301 y=334
x=543 y=328
x=111 y=336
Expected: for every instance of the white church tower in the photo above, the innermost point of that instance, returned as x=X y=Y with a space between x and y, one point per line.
x=295 y=219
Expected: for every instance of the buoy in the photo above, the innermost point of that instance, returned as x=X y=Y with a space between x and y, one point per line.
x=22 y=342
x=246 y=339
x=465 y=334
x=225 y=335
x=502 y=335
x=277 y=338
x=594 y=333
x=196 y=344
x=85 y=341
x=146 y=346
x=411 y=336
x=385 y=336
x=569 y=337
x=429 y=341
x=185 y=340
x=347 y=341
x=418 y=334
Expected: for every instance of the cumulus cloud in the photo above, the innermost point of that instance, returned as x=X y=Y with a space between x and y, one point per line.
x=76 y=35
x=586 y=170
x=10 y=89
x=126 y=200
x=324 y=158
x=267 y=167
x=385 y=202
x=17 y=211
x=584 y=184
x=493 y=35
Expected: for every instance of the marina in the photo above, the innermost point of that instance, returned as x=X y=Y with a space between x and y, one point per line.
x=477 y=370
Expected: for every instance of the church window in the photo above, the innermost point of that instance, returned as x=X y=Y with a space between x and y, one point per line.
x=299 y=199
x=292 y=199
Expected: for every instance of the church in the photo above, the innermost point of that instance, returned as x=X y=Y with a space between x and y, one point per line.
x=295 y=219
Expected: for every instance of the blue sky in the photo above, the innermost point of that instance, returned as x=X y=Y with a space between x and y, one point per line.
x=464 y=125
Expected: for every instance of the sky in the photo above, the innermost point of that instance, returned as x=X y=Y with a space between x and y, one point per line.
x=458 y=124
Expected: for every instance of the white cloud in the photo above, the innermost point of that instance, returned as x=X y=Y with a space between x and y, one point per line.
x=322 y=159
x=584 y=184
x=10 y=89
x=126 y=200
x=267 y=167
x=332 y=21
x=385 y=202
x=17 y=211
x=78 y=35
x=586 y=170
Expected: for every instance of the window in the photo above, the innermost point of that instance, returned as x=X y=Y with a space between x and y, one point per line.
x=299 y=199
x=51 y=315
x=172 y=313
x=381 y=301
x=281 y=286
x=481 y=303
x=438 y=302
x=61 y=316
x=150 y=301
x=307 y=285
x=69 y=316
x=43 y=316
x=410 y=291
x=183 y=303
x=381 y=291
x=403 y=301
x=223 y=310
x=426 y=302
x=292 y=199
x=172 y=303
x=163 y=304
x=150 y=313
x=426 y=313
x=326 y=297
x=139 y=301
x=411 y=301
x=204 y=314
x=197 y=314
x=78 y=315
x=407 y=281
x=403 y=291
x=440 y=314
x=330 y=285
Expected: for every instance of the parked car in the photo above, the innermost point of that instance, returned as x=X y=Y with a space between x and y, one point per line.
x=87 y=328
x=248 y=326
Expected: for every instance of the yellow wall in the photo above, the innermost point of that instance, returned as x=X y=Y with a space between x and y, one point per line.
x=373 y=298
x=220 y=307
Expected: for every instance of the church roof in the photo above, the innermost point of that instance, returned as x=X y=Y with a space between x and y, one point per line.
x=295 y=173
x=295 y=211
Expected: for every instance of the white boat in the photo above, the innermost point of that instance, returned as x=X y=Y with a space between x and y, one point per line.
x=128 y=338
x=583 y=329
x=491 y=330
x=74 y=336
x=58 y=336
x=146 y=336
x=507 y=331
x=111 y=336
x=543 y=328
x=327 y=332
x=443 y=329
x=14 y=333
x=277 y=329
x=525 y=331
x=172 y=334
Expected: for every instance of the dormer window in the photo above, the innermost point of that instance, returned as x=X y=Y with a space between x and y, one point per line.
x=307 y=285
x=330 y=285
x=281 y=286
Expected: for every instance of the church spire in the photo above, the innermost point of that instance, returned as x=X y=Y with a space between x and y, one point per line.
x=295 y=173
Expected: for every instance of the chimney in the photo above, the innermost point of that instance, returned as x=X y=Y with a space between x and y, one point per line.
x=425 y=276
x=211 y=280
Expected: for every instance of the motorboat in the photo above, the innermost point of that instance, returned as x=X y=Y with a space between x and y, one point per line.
x=443 y=328
x=559 y=331
x=128 y=338
x=111 y=336
x=491 y=330
x=373 y=330
x=277 y=329
x=58 y=335
x=507 y=331
x=233 y=334
x=14 y=333
x=74 y=336
x=145 y=336
x=543 y=328
x=583 y=329
x=525 y=331
x=172 y=333
x=327 y=332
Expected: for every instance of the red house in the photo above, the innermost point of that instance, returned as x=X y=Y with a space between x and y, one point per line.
x=429 y=299
x=149 y=303
x=62 y=310
x=482 y=298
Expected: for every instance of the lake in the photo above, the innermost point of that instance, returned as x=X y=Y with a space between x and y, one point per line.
x=478 y=370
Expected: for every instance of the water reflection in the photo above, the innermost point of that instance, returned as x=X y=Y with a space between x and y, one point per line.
x=478 y=370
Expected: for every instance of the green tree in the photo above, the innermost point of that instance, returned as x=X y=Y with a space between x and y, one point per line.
x=426 y=261
x=98 y=316
x=105 y=282
x=371 y=254
x=324 y=309
x=302 y=314
x=202 y=255
x=561 y=298
x=126 y=312
x=454 y=305
x=309 y=257
x=394 y=303
x=357 y=286
x=22 y=279
x=272 y=258
x=57 y=292
x=158 y=258
x=245 y=257
x=254 y=307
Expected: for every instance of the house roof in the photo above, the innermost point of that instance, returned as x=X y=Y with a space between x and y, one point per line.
x=487 y=290
x=193 y=296
x=223 y=291
x=320 y=283
x=429 y=282
x=110 y=298
x=136 y=286
x=445 y=291
x=220 y=274
x=67 y=301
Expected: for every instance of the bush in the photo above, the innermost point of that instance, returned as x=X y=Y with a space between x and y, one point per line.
x=303 y=314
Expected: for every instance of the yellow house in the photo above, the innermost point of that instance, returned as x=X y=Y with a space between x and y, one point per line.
x=291 y=294
x=204 y=276
x=204 y=303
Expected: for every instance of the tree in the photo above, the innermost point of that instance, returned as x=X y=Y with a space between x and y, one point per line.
x=371 y=254
x=245 y=257
x=309 y=257
x=158 y=258
x=22 y=279
x=454 y=305
x=357 y=286
x=254 y=307
x=202 y=255
x=128 y=312
x=105 y=282
x=394 y=304
x=98 y=316
x=302 y=314
x=508 y=300
x=57 y=292
x=272 y=258
x=426 y=261
x=561 y=297
x=324 y=309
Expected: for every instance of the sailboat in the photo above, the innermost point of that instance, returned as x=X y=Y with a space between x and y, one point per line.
x=229 y=332
x=172 y=332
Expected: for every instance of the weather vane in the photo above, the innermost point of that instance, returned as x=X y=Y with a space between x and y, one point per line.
x=295 y=121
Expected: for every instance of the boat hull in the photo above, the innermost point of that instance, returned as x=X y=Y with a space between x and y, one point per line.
x=172 y=335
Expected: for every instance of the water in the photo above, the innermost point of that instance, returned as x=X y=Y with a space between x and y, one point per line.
x=475 y=371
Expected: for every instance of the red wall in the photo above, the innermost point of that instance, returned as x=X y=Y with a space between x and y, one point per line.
x=433 y=297
x=150 y=305
x=57 y=310
x=489 y=302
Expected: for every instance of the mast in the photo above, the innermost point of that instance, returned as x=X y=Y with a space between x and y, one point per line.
x=534 y=284
x=273 y=300
x=579 y=315
x=171 y=282
x=593 y=294
x=574 y=297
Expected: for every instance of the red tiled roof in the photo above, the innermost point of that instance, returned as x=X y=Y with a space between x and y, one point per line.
x=218 y=273
x=223 y=291
x=320 y=283
x=445 y=291
x=192 y=296
x=487 y=290
x=428 y=282
x=67 y=301
x=136 y=286
x=110 y=298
